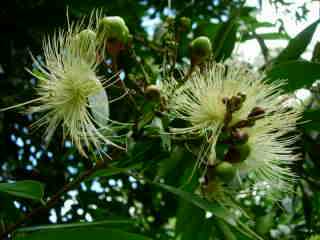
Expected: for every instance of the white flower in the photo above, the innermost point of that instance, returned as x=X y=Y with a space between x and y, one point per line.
x=230 y=103
x=69 y=92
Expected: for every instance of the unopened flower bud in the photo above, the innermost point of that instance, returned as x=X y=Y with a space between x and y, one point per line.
x=85 y=44
x=225 y=171
x=201 y=49
x=235 y=103
x=87 y=35
x=184 y=24
x=243 y=96
x=153 y=92
x=114 y=32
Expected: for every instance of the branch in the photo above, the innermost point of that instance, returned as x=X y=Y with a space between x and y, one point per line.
x=52 y=201
x=263 y=46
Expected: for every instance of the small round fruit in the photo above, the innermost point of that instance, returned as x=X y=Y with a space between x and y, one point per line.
x=225 y=171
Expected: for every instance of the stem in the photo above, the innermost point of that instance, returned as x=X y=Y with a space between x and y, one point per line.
x=263 y=46
x=114 y=67
x=53 y=200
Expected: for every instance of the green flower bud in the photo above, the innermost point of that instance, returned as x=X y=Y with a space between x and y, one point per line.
x=225 y=170
x=84 y=43
x=113 y=29
x=153 y=92
x=87 y=35
x=201 y=49
x=184 y=24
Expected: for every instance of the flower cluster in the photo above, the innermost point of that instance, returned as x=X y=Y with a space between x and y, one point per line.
x=245 y=127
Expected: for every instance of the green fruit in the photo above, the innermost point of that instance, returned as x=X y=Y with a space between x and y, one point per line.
x=225 y=170
x=201 y=49
x=113 y=29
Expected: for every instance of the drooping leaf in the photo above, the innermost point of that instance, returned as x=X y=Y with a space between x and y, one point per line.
x=298 y=44
x=297 y=73
x=108 y=229
x=268 y=36
x=264 y=223
x=169 y=164
x=25 y=189
x=216 y=209
x=191 y=223
x=226 y=231
x=224 y=40
x=110 y=171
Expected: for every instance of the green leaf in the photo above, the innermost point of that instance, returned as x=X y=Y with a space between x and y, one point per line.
x=224 y=40
x=262 y=25
x=222 y=36
x=298 y=44
x=80 y=231
x=226 y=231
x=267 y=36
x=166 y=166
x=191 y=223
x=216 y=209
x=297 y=73
x=265 y=223
x=25 y=189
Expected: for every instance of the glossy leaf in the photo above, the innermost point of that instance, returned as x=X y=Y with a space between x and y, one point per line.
x=80 y=231
x=25 y=189
x=298 y=44
x=297 y=73
x=225 y=40
x=216 y=209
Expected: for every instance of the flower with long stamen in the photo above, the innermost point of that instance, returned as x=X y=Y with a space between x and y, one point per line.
x=69 y=92
x=230 y=104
